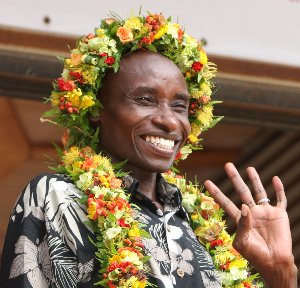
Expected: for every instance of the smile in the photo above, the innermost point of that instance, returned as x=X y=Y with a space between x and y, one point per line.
x=161 y=142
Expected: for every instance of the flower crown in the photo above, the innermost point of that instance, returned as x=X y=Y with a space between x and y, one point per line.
x=74 y=98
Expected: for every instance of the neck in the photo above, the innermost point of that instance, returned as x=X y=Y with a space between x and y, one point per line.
x=146 y=179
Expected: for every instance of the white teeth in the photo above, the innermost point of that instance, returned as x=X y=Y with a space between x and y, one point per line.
x=160 y=142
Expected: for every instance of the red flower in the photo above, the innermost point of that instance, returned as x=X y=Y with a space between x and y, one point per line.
x=225 y=266
x=65 y=85
x=76 y=75
x=178 y=155
x=146 y=40
x=110 y=60
x=103 y=54
x=180 y=34
x=122 y=223
x=197 y=66
x=111 y=285
x=216 y=242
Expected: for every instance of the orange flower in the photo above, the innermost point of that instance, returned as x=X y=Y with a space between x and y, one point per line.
x=76 y=58
x=115 y=182
x=125 y=35
x=65 y=137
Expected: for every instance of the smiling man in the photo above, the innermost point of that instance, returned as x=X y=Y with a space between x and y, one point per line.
x=145 y=110
x=139 y=92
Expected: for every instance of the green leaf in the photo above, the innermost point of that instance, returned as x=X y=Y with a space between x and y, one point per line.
x=151 y=47
x=145 y=259
x=145 y=234
x=51 y=112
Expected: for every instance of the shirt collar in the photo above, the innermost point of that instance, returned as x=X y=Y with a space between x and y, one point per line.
x=168 y=194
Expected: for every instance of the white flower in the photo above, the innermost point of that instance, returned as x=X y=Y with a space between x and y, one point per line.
x=99 y=191
x=211 y=279
x=180 y=260
x=173 y=30
x=112 y=232
x=234 y=274
x=103 y=45
x=85 y=181
x=32 y=260
x=188 y=202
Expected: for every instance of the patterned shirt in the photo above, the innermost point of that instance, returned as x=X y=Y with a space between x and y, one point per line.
x=48 y=244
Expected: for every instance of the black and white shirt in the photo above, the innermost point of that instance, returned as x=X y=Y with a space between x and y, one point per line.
x=48 y=245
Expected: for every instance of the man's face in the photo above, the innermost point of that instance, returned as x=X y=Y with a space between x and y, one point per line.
x=145 y=115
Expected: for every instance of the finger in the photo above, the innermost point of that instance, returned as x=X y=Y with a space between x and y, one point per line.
x=243 y=228
x=227 y=205
x=239 y=185
x=280 y=194
x=258 y=189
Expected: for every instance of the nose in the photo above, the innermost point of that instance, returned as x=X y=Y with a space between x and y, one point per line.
x=165 y=118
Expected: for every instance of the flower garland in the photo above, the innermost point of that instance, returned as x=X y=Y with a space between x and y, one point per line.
x=209 y=227
x=119 y=235
x=74 y=97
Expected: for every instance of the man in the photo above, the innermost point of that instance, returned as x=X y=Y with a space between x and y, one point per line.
x=145 y=122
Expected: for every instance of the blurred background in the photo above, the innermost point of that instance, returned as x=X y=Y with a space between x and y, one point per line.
x=256 y=45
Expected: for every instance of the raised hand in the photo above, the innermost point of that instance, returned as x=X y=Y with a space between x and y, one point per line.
x=263 y=231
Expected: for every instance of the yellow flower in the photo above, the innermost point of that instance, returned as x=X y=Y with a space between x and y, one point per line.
x=222 y=258
x=133 y=24
x=86 y=102
x=197 y=93
x=89 y=73
x=134 y=231
x=192 y=138
x=91 y=210
x=240 y=263
x=203 y=57
x=205 y=116
x=225 y=236
x=74 y=97
x=161 y=31
x=205 y=89
x=194 y=216
x=55 y=99
x=139 y=284
x=115 y=258
x=76 y=167
x=134 y=282
x=195 y=129
x=100 y=32
x=71 y=156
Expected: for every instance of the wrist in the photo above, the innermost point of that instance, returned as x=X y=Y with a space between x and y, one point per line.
x=281 y=275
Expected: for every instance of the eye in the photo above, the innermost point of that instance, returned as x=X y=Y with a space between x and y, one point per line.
x=180 y=107
x=145 y=100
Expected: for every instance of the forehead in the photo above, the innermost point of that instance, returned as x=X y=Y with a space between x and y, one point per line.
x=149 y=66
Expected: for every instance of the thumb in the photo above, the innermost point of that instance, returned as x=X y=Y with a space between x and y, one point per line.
x=243 y=228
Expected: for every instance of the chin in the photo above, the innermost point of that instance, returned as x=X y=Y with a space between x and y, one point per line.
x=160 y=167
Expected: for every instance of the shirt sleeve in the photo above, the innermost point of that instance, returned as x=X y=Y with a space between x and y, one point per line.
x=47 y=243
x=25 y=260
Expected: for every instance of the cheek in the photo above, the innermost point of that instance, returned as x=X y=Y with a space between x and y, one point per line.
x=186 y=127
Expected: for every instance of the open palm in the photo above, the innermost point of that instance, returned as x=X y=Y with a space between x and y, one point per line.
x=263 y=231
